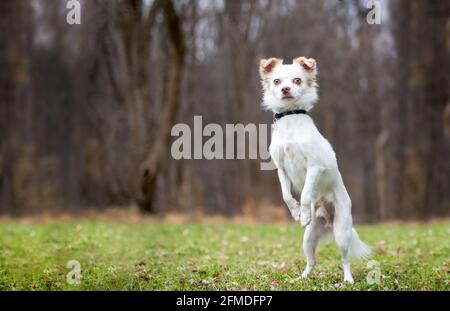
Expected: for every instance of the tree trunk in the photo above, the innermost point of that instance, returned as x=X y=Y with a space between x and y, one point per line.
x=423 y=94
x=156 y=159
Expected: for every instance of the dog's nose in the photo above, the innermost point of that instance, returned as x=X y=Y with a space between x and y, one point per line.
x=286 y=90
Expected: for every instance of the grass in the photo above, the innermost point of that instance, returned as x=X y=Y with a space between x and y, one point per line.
x=117 y=256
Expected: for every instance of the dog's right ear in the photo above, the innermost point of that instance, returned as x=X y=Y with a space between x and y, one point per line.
x=266 y=66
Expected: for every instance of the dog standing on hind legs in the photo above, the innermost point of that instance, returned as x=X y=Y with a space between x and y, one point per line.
x=306 y=162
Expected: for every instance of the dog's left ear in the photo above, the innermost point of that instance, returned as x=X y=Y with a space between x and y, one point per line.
x=308 y=64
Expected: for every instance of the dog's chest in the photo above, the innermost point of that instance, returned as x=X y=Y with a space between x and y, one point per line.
x=288 y=153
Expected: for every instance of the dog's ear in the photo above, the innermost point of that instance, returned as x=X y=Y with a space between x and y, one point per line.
x=266 y=65
x=308 y=64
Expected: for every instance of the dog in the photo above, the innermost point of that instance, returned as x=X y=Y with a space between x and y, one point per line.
x=306 y=163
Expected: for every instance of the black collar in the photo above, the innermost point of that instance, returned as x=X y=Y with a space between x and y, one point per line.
x=279 y=115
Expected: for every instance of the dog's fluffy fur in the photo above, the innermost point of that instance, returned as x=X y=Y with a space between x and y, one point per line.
x=306 y=162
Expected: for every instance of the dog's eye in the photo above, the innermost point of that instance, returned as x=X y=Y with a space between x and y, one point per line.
x=298 y=81
x=276 y=81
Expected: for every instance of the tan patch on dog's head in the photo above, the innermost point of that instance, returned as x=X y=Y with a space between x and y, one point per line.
x=266 y=66
x=310 y=67
x=309 y=64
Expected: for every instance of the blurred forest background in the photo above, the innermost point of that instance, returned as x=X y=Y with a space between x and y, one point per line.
x=86 y=110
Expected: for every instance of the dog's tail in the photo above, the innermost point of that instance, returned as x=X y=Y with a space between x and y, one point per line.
x=357 y=247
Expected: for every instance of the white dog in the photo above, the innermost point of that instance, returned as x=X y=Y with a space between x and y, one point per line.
x=306 y=161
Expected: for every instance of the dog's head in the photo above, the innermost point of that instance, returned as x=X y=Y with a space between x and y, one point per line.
x=288 y=87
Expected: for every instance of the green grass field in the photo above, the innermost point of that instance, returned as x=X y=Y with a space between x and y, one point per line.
x=115 y=256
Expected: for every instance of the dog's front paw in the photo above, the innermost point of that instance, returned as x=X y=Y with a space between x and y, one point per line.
x=305 y=216
x=294 y=208
x=295 y=212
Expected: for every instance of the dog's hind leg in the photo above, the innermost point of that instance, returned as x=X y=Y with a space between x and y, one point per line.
x=311 y=237
x=342 y=230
